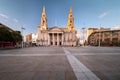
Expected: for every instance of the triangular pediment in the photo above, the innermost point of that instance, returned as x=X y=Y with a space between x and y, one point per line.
x=55 y=29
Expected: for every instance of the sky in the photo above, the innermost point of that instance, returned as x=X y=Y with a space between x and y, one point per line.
x=86 y=13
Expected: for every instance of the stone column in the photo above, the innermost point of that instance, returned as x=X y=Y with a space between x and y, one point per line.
x=58 y=39
x=62 y=38
x=110 y=37
x=53 y=39
x=118 y=36
x=103 y=37
x=48 y=39
x=43 y=39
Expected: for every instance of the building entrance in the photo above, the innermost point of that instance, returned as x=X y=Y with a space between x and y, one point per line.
x=55 y=39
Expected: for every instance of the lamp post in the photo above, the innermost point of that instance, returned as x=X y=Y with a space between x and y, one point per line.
x=83 y=35
x=99 y=36
x=22 y=35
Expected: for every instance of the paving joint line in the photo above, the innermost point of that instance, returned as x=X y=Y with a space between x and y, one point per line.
x=12 y=55
x=80 y=70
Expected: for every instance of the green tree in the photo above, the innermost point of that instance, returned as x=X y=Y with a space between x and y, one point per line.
x=17 y=37
x=7 y=35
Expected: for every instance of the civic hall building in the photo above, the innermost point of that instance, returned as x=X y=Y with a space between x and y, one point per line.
x=57 y=36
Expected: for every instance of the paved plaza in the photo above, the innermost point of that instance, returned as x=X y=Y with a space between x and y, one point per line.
x=60 y=63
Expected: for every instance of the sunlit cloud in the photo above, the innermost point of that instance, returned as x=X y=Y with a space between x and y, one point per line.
x=4 y=15
x=103 y=14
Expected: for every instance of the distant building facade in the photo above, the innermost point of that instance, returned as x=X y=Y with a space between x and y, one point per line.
x=31 y=39
x=92 y=30
x=56 y=36
x=105 y=38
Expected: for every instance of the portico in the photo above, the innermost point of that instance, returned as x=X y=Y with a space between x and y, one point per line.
x=55 y=39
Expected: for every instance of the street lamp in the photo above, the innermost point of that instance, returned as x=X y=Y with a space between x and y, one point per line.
x=22 y=35
x=83 y=36
x=99 y=36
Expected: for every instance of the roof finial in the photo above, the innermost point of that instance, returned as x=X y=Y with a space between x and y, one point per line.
x=70 y=9
x=43 y=8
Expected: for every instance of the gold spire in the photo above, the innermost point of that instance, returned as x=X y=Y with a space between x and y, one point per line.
x=43 y=20
x=44 y=10
x=70 y=9
x=70 y=14
x=70 y=20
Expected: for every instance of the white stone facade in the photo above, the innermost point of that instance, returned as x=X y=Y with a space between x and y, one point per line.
x=34 y=38
x=57 y=36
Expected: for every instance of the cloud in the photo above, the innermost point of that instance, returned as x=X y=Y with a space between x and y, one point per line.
x=103 y=14
x=15 y=20
x=4 y=15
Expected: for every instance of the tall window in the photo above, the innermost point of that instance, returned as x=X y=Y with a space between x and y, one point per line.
x=107 y=34
x=115 y=34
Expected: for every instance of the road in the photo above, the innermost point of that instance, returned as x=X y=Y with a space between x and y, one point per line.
x=60 y=63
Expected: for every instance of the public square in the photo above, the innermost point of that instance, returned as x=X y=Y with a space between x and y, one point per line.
x=60 y=63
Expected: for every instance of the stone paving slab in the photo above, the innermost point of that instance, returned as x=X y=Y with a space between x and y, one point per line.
x=93 y=50
x=78 y=54
x=35 y=50
x=81 y=71
x=28 y=55
x=51 y=63
x=102 y=61
x=36 y=68
x=107 y=67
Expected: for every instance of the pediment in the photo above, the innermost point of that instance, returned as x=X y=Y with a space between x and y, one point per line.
x=55 y=29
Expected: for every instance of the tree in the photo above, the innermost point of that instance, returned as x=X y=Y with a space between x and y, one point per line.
x=17 y=37
x=7 y=35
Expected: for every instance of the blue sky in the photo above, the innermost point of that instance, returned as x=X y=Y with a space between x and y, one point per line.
x=87 y=13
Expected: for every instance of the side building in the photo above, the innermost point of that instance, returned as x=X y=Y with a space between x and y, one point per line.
x=91 y=30
x=105 y=38
x=31 y=39
x=57 y=36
